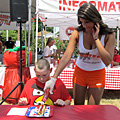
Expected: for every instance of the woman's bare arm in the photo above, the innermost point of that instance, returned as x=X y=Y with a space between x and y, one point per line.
x=106 y=53
x=68 y=53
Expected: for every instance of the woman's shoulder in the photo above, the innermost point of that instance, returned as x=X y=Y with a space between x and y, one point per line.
x=75 y=34
x=111 y=35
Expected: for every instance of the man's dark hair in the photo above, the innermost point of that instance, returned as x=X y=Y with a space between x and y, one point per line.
x=10 y=38
x=9 y=44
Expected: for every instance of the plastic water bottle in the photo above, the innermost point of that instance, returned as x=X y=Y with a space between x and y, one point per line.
x=54 y=51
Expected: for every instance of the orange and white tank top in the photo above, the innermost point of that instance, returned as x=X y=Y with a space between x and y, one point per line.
x=89 y=60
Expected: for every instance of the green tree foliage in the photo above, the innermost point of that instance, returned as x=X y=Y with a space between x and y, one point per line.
x=33 y=45
x=63 y=45
x=49 y=29
x=41 y=27
x=12 y=33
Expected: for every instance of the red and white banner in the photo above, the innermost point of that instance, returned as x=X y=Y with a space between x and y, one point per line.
x=65 y=32
x=71 y=6
x=6 y=24
x=62 y=13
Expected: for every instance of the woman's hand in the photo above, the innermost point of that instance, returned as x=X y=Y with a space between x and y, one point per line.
x=59 y=102
x=96 y=31
x=23 y=101
x=50 y=84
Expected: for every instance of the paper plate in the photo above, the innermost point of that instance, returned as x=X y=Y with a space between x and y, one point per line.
x=32 y=112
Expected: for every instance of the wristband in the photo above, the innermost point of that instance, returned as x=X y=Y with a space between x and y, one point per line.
x=54 y=79
x=96 y=38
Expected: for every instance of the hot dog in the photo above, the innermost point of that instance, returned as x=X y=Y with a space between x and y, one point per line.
x=41 y=109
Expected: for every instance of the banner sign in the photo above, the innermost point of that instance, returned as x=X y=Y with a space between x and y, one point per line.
x=6 y=24
x=65 y=32
x=71 y=6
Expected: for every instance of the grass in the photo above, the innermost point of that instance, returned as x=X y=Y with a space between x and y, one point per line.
x=110 y=97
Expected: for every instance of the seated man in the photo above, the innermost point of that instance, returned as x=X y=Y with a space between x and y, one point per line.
x=33 y=90
x=116 y=58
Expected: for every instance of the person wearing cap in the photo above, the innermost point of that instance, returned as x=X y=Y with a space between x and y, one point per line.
x=116 y=58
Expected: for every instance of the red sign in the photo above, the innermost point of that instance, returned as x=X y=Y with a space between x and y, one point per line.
x=103 y=6
x=4 y=19
x=69 y=31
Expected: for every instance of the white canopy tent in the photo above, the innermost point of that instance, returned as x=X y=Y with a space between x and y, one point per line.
x=62 y=13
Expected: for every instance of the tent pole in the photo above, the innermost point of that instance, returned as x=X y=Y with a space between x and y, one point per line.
x=36 y=30
x=18 y=35
x=45 y=35
x=54 y=31
x=29 y=29
x=26 y=50
x=118 y=37
x=42 y=31
x=33 y=31
x=7 y=35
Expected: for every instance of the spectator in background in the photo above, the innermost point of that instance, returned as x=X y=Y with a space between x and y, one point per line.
x=9 y=44
x=47 y=52
x=53 y=48
x=116 y=58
